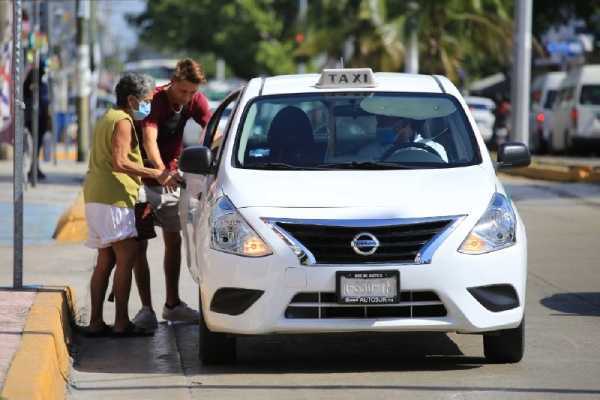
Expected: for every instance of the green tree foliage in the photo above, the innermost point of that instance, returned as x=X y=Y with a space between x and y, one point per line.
x=468 y=36
x=253 y=36
x=257 y=36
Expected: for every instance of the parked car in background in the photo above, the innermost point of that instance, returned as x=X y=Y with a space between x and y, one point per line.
x=544 y=89
x=482 y=110
x=160 y=69
x=576 y=121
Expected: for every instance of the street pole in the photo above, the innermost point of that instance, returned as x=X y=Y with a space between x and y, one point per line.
x=521 y=72
x=302 y=12
x=50 y=74
x=83 y=79
x=35 y=94
x=17 y=107
x=411 y=66
x=95 y=64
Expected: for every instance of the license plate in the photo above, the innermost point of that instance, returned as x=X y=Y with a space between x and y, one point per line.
x=368 y=287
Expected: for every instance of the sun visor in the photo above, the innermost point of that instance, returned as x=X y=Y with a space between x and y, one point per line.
x=409 y=106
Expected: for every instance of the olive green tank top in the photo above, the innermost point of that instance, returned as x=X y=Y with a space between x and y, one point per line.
x=102 y=184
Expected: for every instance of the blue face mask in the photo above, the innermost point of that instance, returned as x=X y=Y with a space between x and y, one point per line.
x=386 y=136
x=143 y=111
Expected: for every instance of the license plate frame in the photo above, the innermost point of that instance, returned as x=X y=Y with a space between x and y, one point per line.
x=362 y=277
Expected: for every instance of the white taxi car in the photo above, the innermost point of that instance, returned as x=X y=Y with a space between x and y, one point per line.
x=352 y=201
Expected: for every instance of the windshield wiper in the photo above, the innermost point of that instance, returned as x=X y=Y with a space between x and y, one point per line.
x=281 y=166
x=366 y=165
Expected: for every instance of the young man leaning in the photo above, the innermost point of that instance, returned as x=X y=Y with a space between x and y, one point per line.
x=162 y=132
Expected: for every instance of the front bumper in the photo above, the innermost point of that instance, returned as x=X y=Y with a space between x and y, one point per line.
x=449 y=276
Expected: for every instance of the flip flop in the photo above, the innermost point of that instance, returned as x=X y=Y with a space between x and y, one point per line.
x=132 y=330
x=105 y=331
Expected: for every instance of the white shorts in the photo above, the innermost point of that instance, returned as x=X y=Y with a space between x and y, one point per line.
x=108 y=224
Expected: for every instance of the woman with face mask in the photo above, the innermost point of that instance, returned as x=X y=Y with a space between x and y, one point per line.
x=110 y=193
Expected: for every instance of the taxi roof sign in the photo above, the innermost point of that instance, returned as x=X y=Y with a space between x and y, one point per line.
x=346 y=78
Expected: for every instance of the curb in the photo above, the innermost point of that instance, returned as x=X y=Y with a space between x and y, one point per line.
x=40 y=368
x=558 y=173
x=71 y=226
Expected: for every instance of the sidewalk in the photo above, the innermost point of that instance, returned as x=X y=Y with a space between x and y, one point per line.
x=34 y=327
x=560 y=169
x=34 y=323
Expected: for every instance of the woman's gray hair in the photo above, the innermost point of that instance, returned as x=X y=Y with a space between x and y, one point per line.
x=133 y=84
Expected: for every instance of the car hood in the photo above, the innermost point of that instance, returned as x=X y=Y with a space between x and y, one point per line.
x=450 y=191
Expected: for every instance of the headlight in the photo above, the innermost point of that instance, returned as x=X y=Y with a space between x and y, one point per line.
x=230 y=233
x=495 y=230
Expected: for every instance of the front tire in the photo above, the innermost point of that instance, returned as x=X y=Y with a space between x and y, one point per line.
x=215 y=348
x=505 y=346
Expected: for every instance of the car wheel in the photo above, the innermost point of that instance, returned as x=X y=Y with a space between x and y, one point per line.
x=215 y=348
x=505 y=346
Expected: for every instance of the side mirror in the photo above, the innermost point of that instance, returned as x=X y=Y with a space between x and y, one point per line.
x=196 y=160
x=513 y=155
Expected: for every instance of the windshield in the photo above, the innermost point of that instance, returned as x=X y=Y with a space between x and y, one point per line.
x=550 y=96
x=355 y=130
x=590 y=95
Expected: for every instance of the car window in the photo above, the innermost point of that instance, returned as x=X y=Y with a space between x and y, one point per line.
x=590 y=95
x=550 y=97
x=215 y=133
x=325 y=130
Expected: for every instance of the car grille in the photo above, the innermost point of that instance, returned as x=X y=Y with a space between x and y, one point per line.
x=397 y=243
x=413 y=304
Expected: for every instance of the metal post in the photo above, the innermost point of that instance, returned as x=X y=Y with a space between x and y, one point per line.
x=95 y=57
x=17 y=131
x=521 y=71
x=302 y=12
x=35 y=95
x=220 y=70
x=83 y=79
x=50 y=73
x=411 y=64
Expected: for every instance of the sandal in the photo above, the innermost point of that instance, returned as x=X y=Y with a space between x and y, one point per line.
x=104 y=331
x=132 y=330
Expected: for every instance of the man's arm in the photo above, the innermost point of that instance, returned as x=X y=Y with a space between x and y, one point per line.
x=200 y=110
x=150 y=135
x=121 y=145
x=150 y=144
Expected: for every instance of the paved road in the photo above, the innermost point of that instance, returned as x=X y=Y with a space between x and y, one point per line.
x=562 y=355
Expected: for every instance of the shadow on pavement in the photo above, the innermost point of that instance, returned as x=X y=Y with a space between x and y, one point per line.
x=273 y=354
x=582 y=303
x=152 y=355
x=339 y=353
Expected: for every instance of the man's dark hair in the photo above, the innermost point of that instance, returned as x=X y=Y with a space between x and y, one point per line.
x=189 y=70
x=133 y=84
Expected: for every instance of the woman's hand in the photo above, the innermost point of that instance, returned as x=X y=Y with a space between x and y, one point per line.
x=169 y=179
x=164 y=177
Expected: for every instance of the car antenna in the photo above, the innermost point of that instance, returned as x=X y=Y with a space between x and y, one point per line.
x=342 y=62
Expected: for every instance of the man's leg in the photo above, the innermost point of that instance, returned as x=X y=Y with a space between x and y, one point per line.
x=98 y=285
x=125 y=251
x=142 y=274
x=172 y=266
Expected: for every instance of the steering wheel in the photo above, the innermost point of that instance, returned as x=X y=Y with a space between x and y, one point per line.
x=415 y=145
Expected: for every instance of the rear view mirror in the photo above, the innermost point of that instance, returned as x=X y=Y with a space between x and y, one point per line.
x=513 y=155
x=196 y=160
